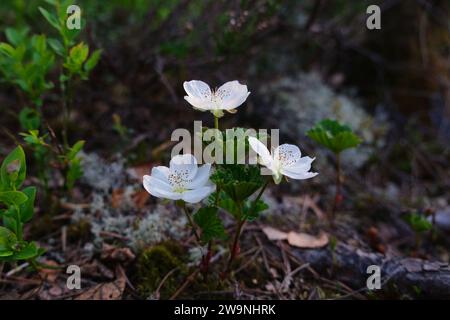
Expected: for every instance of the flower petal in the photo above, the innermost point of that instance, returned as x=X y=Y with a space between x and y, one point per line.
x=159 y=189
x=298 y=174
x=196 y=195
x=160 y=172
x=185 y=164
x=287 y=154
x=197 y=89
x=199 y=94
x=261 y=150
x=232 y=94
x=198 y=104
x=303 y=163
x=201 y=178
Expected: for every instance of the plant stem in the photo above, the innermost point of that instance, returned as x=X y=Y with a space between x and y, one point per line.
x=240 y=225
x=337 y=196
x=233 y=252
x=65 y=113
x=259 y=195
x=206 y=259
x=191 y=222
x=19 y=232
x=216 y=122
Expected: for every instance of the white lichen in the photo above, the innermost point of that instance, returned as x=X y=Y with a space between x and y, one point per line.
x=298 y=103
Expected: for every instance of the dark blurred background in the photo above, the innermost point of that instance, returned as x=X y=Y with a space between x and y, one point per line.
x=309 y=55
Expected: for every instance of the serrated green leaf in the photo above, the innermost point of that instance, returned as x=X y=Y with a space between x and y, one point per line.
x=210 y=224
x=419 y=222
x=238 y=181
x=334 y=136
x=252 y=210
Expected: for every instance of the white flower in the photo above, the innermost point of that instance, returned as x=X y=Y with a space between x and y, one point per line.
x=228 y=97
x=285 y=160
x=183 y=180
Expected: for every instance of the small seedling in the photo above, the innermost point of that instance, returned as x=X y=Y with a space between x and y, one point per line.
x=74 y=59
x=335 y=137
x=420 y=224
x=25 y=62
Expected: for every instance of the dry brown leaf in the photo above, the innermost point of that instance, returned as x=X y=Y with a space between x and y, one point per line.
x=106 y=291
x=50 y=274
x=304 y=240
x=98 y=270
x=274 y=234
x=112 y=253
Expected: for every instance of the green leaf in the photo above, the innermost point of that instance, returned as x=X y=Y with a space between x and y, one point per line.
x=76 y=148
x=56 y=45
x=27 y=208
x=93 y=60
x=16 y=36
x=252 y=211
x=52 y=19
x=28 y=252
x=238 y=181
x=6 y=49
x=79 y=53
x=9 y=221
x=210 y=224
x=29 y=119
x=11 y=198
x=33 y=138
x=13 y=170
x=226 y=203
x=419 y=222
x=74 y=173
x=334 y=136
x=8 y=240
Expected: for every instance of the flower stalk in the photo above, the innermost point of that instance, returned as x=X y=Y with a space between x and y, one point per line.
x=338 y=195
x=191 y=222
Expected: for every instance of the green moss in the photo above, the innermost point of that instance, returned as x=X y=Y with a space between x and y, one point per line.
x=157 y=261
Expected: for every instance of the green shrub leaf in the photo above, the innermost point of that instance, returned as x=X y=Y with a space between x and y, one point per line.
x=13 y=170
x=11 y=198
